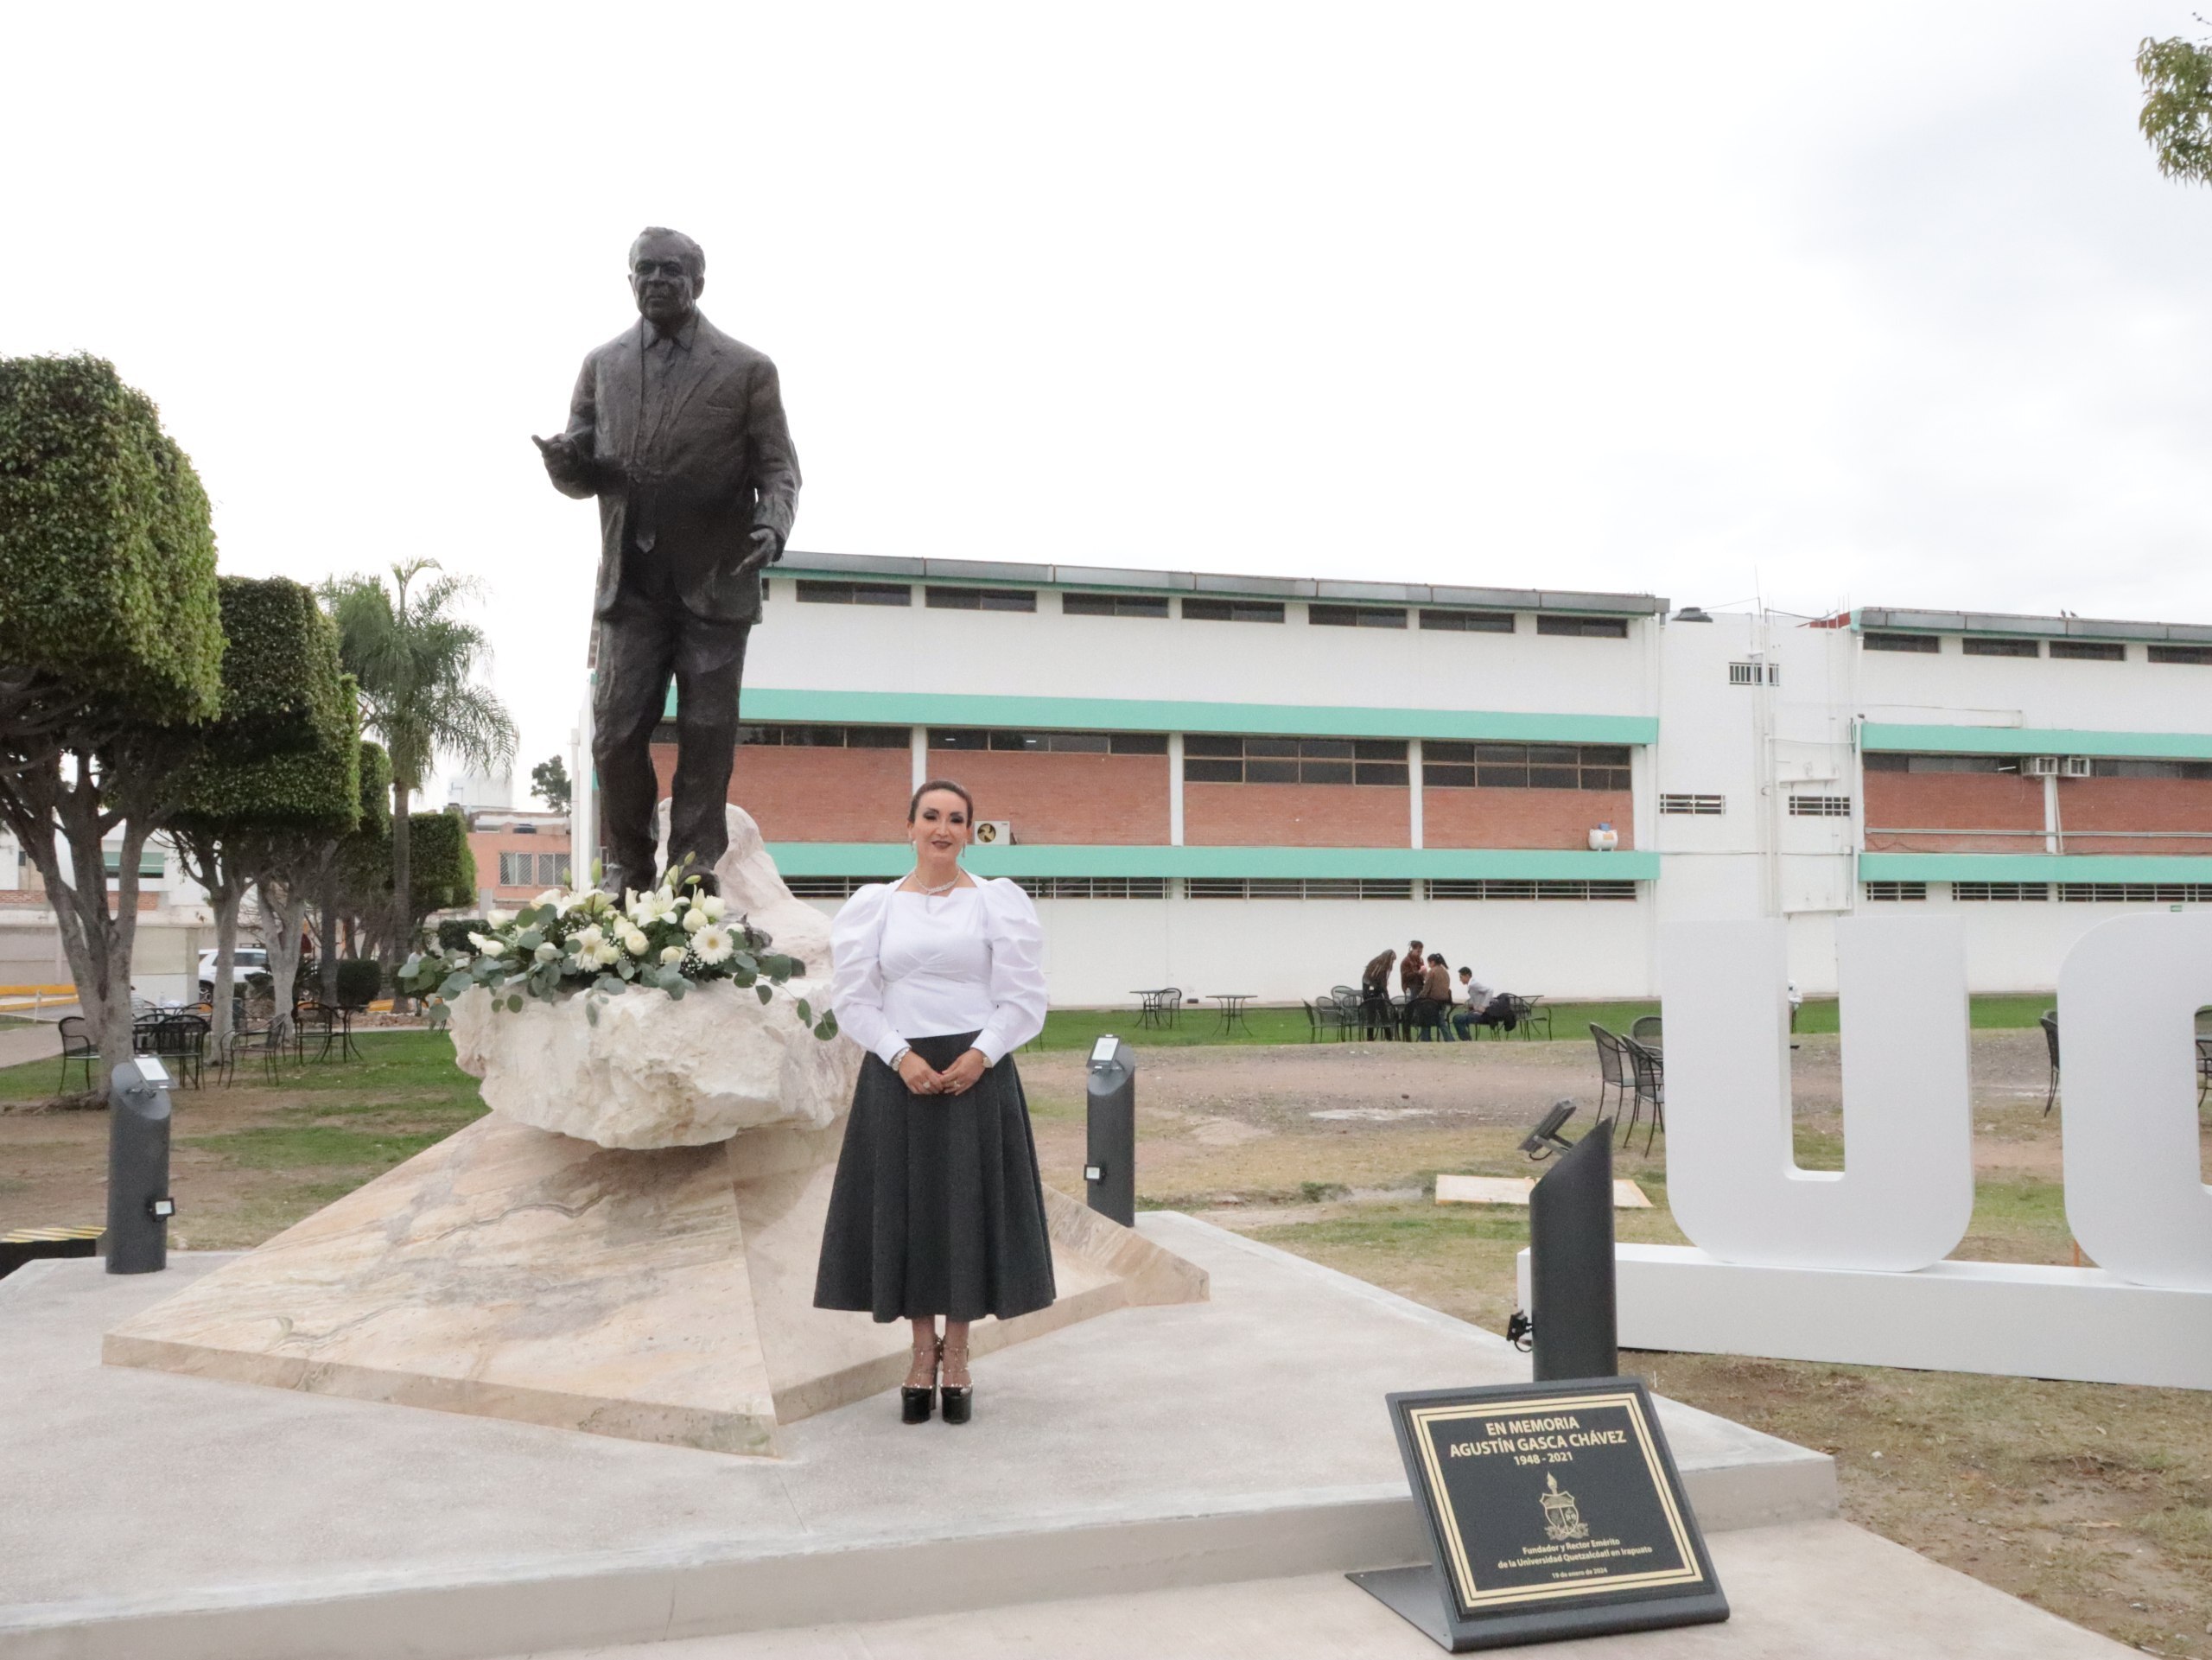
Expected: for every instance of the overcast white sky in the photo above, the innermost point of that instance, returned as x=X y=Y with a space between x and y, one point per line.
x=1877 y=303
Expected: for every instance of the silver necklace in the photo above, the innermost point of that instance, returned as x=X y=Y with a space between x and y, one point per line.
x=932 y=893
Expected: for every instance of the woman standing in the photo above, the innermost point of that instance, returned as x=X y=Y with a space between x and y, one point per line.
x=937 y=1208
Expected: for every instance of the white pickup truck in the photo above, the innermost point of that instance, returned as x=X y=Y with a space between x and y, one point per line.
x=245 y=960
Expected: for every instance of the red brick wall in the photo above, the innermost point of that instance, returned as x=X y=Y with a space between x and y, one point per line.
x=2135 y=804
x=1297 y=815
x=815 y=795
x=1976 y=801
x=1051 y=797
x=1523 y=818
x=487 y=846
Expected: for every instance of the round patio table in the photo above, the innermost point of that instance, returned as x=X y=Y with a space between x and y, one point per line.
x=1232 y=1009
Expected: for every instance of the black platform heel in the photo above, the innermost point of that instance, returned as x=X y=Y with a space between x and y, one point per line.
x=959 y=1398
x=916 y=1403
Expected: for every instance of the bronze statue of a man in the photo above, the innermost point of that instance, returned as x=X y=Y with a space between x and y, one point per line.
x=679 y=431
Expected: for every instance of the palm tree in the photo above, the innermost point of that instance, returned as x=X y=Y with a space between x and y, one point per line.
x=413 y=658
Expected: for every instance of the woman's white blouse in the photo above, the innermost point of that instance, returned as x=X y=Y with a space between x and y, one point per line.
x=907 y=966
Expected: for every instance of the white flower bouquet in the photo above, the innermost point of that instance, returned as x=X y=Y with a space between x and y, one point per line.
x=570 y=940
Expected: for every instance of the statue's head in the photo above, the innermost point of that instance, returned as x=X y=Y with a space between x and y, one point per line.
x=668 y=272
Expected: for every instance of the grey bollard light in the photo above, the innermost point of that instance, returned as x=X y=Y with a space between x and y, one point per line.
x=138 y=1202
x=1110 y=1170
x=1571 y=1315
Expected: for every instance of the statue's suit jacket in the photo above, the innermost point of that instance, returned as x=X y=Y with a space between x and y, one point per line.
x=685 y=479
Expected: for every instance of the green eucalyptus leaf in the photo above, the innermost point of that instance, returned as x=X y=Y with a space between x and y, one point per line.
x=763 y=994
x=806 y=1013
x=514 y=1004
x=591 y=1011
x=825 y=1028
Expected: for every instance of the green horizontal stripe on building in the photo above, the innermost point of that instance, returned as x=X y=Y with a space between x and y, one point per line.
x=778 y=706
x=1026 y=859
x=2034 y=740
x=2034 y=868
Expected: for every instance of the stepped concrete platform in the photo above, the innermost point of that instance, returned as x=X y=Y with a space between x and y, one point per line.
x=1150 y=1450
x=1810 y=1591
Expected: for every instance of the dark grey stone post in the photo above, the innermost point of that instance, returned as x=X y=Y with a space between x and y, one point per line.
x=1110 y=1170
x=1571 y=1311
x=138 y=1202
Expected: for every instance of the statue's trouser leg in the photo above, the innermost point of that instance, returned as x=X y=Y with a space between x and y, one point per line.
x=637 y=655
x=709 y=668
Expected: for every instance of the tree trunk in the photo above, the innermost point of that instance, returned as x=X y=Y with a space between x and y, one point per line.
x=99 y=942
x=327 y=902
x=285 y=909
x=403 y=887
x=225 y=904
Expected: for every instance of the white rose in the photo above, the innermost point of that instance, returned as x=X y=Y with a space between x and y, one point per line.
x=547 y=952
x=608 y=955
x=694 y=919
x=498 y=918
x=489 y=947
x=713 y=905
x=712 y=944
x=670 y=956
x=635 y=943
x=550 y=896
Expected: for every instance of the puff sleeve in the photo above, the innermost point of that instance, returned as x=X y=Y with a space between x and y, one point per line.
x=1017 y=981
x=856 y=971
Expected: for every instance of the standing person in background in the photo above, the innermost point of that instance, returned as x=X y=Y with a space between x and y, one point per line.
x=1374 y=991
x=937 y=1208
x=1412 y=972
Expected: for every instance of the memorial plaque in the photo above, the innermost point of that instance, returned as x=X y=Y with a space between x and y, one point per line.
x=1554 y=1510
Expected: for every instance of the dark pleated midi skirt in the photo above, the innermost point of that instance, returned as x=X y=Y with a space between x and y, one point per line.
x=938 y=1207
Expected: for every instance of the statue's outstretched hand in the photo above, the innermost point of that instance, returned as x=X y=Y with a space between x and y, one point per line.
x=763 y=551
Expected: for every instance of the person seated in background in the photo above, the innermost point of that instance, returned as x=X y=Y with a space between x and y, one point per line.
x=1480 y=1006
x=1375 y=990
x=1431 y=1005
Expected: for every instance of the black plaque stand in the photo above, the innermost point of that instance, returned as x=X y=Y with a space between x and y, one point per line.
x=1554 y=1510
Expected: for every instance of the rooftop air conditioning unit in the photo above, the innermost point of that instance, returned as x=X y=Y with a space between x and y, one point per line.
x=992 y=832
x=2075 y=766
x=2041 y=766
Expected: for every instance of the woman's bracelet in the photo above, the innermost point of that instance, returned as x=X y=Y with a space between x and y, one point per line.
x=904 y=1050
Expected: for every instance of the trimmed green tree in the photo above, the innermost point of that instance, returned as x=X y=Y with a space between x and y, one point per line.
x=444 y=870
x=280 y=763
x=2176 y=118
x=110 y=651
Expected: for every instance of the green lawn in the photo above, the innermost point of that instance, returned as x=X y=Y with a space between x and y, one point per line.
x=1077 y=1028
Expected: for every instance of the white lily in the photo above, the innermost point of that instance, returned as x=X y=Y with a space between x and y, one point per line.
x=551 y=896
x=712 y=944
x=498 y=918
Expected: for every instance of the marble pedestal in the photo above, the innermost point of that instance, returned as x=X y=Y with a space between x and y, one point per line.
x=662 y=1295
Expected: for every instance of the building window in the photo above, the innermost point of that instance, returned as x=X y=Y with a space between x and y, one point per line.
x=1755 y=674
x=1233 y=610
x=827 y=737
x=1884 y=642
x=518 y=869
x=1113 y=605
x=1278 y=887
x=820 y=593
x=1469 y=622
x=1695 y=806
x=1819 y=806
x=1493 y=888
x=827 y=887
x=1064 y=743
x=1974 y=646
x=1355 y=616
x=150 y=862
x=1897 y=890
x=2089 y=651
x=980 y=598
x=1210 y=759
x=553 y=869
x=1889 y=761
x=1095 y=888
x=2199 y=654
x=2102 y=768
x=1455 y=766
x=1978 y=891
x=2135 y=893
x=1584 y=627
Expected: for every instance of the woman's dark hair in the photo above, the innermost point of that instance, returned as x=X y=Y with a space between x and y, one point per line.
x=945 y=784
x=1437 y=957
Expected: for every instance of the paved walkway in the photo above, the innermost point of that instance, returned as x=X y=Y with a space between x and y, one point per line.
x=21 y=1043
x=1812 y=1591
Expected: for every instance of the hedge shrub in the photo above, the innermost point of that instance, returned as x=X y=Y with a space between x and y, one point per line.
x=360 y=980
x=454 y=932
x=442 y=871
x=107 y=556
x=283 y=688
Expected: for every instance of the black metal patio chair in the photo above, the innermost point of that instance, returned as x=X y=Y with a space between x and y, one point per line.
x=2049 y=1024
x=78 y=1044
x=1614 y=1072
x=1648 y=1086
x=1648 y=1030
